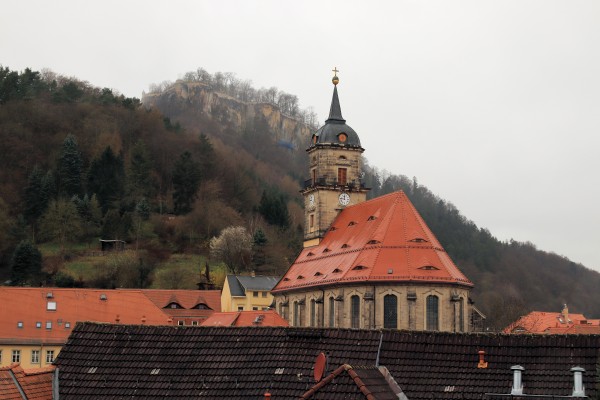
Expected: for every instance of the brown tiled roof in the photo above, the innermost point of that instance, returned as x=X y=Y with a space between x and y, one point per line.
x=36 y=384
x=188 y=299
x=155 y=362
x=380 y=240
x=369 y=383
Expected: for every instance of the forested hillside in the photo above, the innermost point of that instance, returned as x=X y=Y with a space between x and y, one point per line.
x=199 y=169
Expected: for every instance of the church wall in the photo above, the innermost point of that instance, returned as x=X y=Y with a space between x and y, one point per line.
x=411 y=306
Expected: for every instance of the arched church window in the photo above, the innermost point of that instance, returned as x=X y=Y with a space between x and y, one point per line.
x=296 y=314
x=432 y=313
x=461 y=315
x=331 y=312
x=355 y=311
x=313 y=312
x=390 y=311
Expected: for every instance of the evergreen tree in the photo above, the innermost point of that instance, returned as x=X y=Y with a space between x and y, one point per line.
x=70 y=167
x=90 y=213
x=186 y=179
x=106 y=179
x=26 y=265
x=36 y=196
x=207 y=156
x=273 y=208
x=140 y=179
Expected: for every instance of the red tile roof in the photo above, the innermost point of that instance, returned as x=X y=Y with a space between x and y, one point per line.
x=380 y=240
x=246 y=318
x=554 y=323
x=36 y=384
x=23 y=308
x=187 y=299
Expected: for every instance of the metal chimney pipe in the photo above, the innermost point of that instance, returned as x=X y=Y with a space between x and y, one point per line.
x=578 y=388
x=517 y=388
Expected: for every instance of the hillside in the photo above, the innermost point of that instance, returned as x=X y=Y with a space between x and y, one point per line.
x=206 y=155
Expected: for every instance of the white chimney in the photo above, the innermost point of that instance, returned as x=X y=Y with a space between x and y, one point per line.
x=517 y=388
x=578 y=388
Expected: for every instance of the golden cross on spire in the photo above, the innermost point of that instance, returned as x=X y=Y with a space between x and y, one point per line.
x=335 y=78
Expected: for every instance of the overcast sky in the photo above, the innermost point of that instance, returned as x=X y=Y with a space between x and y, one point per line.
x=494 y=106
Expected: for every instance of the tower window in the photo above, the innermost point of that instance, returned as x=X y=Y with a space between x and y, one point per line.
x=342 y=137
x=311 y=221
x=313 y=176
x=313 y=313
x=342 y=175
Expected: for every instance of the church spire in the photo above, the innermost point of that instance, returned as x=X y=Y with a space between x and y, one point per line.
x=335 y=112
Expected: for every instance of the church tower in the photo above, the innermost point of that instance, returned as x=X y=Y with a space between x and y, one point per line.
x=335 y=172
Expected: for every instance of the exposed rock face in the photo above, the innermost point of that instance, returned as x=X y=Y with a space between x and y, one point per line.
x=199 y=98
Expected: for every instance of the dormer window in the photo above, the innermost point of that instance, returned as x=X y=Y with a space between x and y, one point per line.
x=286 y=279
x=373 y=242
x=173 y=305
x=372 y=218
x=418 y=240
x=300 y=277
x=429 y=268
x=342 y=137
x=314 y=139
x=352 y=223
x=345 y=246
x=326 y=250
x=337 y=271
x=333 y=228
x=310 y=254
x=359 y=268
x=201 y=306
x=318 y=273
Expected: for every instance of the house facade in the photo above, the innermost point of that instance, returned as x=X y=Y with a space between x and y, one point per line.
x=247 y=293
x=366 y=264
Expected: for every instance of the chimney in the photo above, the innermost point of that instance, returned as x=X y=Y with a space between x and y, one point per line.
x=565 y=314
x=578 y=388
x=517 y=388
x=253 y=274
x=482 y=362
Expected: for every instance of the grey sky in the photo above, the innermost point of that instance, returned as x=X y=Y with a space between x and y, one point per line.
x=495 y=106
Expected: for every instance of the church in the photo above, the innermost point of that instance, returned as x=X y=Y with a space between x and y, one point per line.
x=366 y=264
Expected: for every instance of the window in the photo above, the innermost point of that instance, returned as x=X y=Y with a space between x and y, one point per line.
x=35 y=356
x=49 y=356
x=432 y=313
x=194 y=323
x=240 y=308
x=355 y=311
x=313 y=312
x=0 y=357
x=390 y=311
x=254 y=308
x=461 y=315
x=331 y=312
x=342 y=137
x=48 y=324
x=296 y=314
x=314 y=176
x=51 y=306
x=311 y=221
x=181 y=323
x=67 y=325
x=264 y=294
x=20 y=324
x=342 y=172
x=16 y=356
x=265 y=308
x=255 y=294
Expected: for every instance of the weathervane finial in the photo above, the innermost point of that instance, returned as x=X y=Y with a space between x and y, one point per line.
x=335 y=78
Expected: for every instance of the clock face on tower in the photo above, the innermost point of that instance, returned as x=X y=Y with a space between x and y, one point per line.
x=344 y=199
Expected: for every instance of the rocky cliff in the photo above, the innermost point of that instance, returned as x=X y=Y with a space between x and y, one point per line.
x=200 y=100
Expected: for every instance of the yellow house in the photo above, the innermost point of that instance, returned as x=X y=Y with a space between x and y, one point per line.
x=247 y=293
